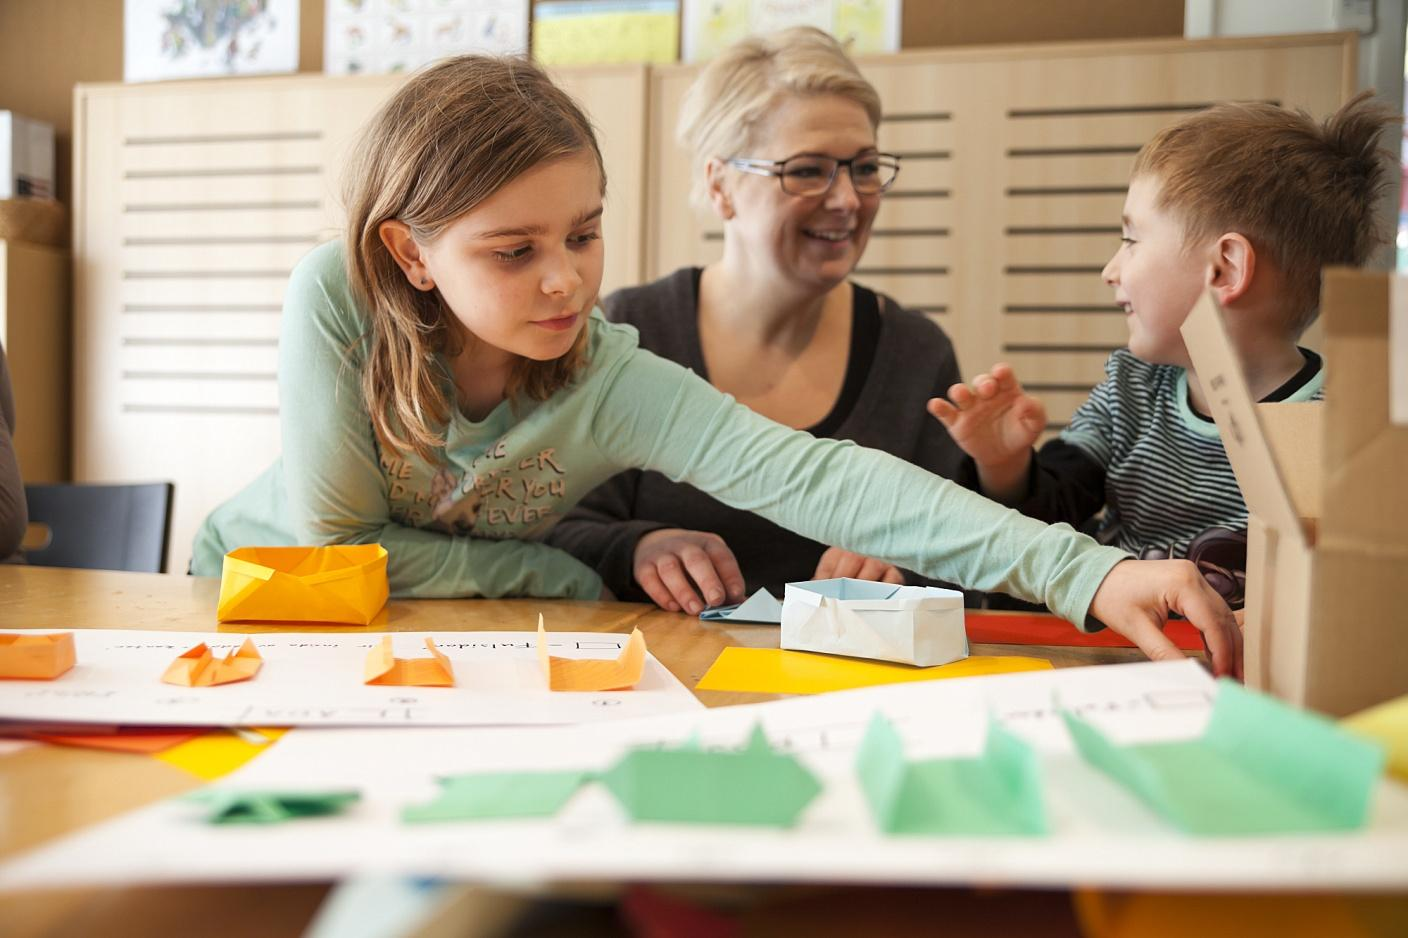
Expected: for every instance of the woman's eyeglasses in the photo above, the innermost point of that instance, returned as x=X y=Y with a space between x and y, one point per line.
x=871 y=173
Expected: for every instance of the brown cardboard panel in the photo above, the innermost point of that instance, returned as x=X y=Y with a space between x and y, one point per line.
x=927 y=23
x=1358 y=653
x=1296 y=432
x=1366 y=455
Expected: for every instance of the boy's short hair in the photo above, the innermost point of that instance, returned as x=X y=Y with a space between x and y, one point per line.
x=1302 y=191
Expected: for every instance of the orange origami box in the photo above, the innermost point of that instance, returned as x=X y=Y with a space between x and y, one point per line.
x=383 y=667
x=41 y=657
x=200 y=668
x=593 y=674
x=344 y=584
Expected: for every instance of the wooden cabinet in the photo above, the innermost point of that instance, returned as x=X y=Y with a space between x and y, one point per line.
x=34 y=328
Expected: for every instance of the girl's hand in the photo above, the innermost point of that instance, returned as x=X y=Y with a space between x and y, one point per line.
x=667 y=560
x=838 y=563
x=996 y=423
x=1137 y=596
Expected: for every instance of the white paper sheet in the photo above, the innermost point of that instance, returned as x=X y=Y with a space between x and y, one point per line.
x=378 y=36
x=315 y=678
x=1101 y=834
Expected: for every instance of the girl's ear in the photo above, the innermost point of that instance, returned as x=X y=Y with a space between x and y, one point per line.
x=396 y=235
x=715 y=182
x=1233 y=267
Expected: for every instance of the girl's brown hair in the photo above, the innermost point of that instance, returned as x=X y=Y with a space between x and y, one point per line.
x=452 y=135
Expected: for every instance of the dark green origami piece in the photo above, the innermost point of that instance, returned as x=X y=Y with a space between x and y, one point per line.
x=270 y=807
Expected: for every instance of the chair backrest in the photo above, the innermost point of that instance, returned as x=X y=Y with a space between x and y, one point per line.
x=101 y=527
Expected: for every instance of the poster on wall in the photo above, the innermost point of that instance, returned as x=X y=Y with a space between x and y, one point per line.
x=866 y=26
x=165 y=39
x=380 y=36
x=605 y=32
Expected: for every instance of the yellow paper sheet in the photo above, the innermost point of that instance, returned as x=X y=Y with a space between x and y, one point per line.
x=41 y=657
x=610 y=37
x=383 y=667
x=217 y=753
x=774 y=671
x=623 y=672
x=200 y=668
x=1387 y=725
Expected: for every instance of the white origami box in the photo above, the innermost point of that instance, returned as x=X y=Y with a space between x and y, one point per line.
x=919 y=625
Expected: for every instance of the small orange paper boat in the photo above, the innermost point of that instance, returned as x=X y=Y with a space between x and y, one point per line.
x=200 y=668
x=40 y=657
x=593 y=674
x=344 y=583
x=383 y=667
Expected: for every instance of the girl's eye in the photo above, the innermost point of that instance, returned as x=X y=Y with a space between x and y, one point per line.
x=1127 y=241
x=582 y=240
x=514 y=255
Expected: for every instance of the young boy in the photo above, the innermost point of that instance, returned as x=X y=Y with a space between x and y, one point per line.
x=1250 y=200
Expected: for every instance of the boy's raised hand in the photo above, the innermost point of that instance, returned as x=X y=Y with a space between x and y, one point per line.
x=1137 y=596
x=996 y=423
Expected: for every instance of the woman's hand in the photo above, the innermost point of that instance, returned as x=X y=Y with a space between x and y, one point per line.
x=1137 y=596
x=838 y=563
x=671 y=563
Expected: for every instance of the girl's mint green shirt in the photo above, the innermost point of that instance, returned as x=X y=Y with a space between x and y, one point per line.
x=469 y=522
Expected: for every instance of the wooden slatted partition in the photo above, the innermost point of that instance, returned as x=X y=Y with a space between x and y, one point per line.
x=1015 y=166
x=194 y=202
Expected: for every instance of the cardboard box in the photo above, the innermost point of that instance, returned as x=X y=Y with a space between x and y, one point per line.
x=1327 y=556
x=928 y=23
x=26 y=157
x=919 y=625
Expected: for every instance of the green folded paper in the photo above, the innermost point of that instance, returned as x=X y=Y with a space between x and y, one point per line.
x=997 y=793
x=498 y=795
x=755 y=785
x=269 y=807
x=1261 y=767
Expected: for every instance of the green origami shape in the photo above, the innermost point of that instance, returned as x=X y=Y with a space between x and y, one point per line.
x=270 y=807
x=997 y=793
x=498 y=795
x=1261 y=767
x=755 y=785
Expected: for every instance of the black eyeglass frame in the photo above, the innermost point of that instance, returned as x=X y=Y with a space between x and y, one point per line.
x=775 y=168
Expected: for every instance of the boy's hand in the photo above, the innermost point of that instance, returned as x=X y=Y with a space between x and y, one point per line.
x=671 y=562
x=1137 y=596
x=837 y=562
x=996 y=423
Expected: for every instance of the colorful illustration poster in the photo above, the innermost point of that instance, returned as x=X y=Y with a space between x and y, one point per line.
x=866 y=26
x=379 y=36
x=164 y=39
x=605 y=32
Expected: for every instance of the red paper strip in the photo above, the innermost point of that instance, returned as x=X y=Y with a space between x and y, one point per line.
x=1017 y=628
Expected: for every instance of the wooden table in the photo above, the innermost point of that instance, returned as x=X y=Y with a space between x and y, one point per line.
x=47 y=791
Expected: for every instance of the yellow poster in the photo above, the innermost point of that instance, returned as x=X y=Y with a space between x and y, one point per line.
x=576 y=32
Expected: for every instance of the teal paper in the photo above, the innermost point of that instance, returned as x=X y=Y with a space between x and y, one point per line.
x=1261 y=767
x=998 y=793
x=498 y=795
x=753 y=786
x=270 y=807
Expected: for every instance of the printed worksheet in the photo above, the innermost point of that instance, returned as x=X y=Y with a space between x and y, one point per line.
x=318 y=679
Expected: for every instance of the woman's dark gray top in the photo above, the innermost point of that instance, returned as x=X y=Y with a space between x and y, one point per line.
x=13 y=513
x=898 y=360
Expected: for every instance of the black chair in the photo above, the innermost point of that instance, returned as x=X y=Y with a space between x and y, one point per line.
x=100 y=527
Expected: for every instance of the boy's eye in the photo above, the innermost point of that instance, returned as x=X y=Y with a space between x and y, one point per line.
x=1127 y=240
x=585 y=238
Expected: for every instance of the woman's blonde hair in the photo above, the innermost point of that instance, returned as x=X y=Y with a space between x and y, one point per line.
x=452 y=135
x=736 y=90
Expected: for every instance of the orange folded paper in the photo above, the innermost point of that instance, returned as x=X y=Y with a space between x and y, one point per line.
x=383 y=667
x=593 y=674
x=36 y=657
x=200 y=668
x=342 y=583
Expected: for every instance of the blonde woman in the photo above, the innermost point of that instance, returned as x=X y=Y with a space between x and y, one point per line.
x=447 y=389
x=782 y=131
